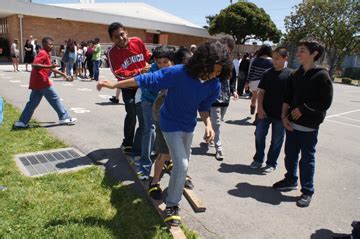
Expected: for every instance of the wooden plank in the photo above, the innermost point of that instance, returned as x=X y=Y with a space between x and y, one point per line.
x=159 y=205
x=194 y=200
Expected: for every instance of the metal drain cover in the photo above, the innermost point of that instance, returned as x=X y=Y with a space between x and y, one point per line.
x=45 y=162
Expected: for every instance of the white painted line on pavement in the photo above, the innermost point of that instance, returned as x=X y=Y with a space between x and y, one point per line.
x=80 y=110
x=352 y=125
x=67 y=84
x=84 y=89
x=14 y=81
x=105 y=96
x=348 y=118
x=5 y=77
x=27 y=86
x=348 y=112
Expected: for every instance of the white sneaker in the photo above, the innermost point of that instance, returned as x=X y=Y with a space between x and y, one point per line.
x=68 y=121
x=20 y=124
x=268 y=169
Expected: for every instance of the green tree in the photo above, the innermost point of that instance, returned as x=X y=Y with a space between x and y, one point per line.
x=335 y=23
x=244 y=21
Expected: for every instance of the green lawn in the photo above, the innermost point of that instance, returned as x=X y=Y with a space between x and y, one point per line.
x=71 y=205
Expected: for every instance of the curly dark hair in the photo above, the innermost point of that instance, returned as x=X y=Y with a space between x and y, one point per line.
x=182 y=55
x=206 y=56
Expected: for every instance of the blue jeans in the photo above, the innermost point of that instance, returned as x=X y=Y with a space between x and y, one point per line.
x=70 y=66
x=179 y=144
x=136 y=150
x=128 y=96
x=35 y=97
x=96 y=66
x=148 y=137
x=277 y=139
x=304 y=142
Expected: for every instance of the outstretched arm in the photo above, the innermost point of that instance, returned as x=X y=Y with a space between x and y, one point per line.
x=120 y=84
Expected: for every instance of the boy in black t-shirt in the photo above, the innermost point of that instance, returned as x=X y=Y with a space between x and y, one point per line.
x=270 y=98
x=309 y=94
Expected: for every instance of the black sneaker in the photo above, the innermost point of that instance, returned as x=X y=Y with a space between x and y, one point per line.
x=172 y=217
x=168 y=166
x=114 y=100
x=126 y=149
x=304 y=200
x=188 y=183
x=155 y=191
x=219 y=155
x=284 y=185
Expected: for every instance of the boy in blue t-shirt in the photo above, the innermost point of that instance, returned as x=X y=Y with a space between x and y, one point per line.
x=191 y=88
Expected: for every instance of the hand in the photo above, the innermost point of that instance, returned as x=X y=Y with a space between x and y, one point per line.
x=235 y=96
x=69 y=78
x=145 y=69
x=209 y=134
x=54 y=65
x=287 y=123
x=296 y=114
x=261 y=113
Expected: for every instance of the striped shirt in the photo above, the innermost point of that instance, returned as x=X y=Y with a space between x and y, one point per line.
x=258 y=66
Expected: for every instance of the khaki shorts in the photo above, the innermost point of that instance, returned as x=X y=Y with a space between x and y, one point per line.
x=253 y=85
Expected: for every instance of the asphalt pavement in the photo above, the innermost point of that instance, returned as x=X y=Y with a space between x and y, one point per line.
x=240 y=201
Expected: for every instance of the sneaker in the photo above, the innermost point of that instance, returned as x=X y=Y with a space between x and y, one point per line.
x=255 y=165
x=68 y=121
x=284 y=185
x=155 y=191
x=268 y=169
x=304 y=200
x=188 y=183
x=20 y=124
x=134 y=160
x=126 y=149
x=142 y=176
x=172 y=217
x=114 y=100
x=219 y=155
x=252 y=109
x=168 y=166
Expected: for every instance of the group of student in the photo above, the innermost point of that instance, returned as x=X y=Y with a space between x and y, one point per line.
x=167 y=95
x=81 y=60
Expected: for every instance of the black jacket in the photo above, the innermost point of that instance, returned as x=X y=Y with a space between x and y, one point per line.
x=227 y=89
x=312 y=93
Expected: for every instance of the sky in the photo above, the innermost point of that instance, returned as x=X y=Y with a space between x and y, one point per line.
x=196 y=10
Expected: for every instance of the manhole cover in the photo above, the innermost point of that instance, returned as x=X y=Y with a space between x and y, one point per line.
x=45 y=162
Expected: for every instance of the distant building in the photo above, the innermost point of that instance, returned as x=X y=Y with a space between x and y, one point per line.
x=87 y=20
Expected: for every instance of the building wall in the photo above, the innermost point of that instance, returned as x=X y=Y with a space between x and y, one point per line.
x=183 y=40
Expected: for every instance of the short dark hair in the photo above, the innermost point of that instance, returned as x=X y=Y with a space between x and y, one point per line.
x=313 y=44
x=46 y=40
x=164 y=51
x=206 y=56
x=114 y=26
x=96 y=40
x=282 y=51
x=264 y=50
x=182 y=55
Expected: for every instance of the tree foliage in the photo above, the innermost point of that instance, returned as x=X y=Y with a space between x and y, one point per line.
x=244 y=21
x=335 y=23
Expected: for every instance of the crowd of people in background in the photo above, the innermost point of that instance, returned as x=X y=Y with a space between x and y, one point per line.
x=165 y=90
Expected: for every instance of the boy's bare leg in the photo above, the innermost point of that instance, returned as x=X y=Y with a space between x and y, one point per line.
x=159 y=164
x=117 y=94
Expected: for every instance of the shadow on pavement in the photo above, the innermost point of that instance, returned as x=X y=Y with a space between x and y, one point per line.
x=327 y=234
x=239 y=168
x=244 y=121
x=109 y=103
x=201 y=150
x=264 y=194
